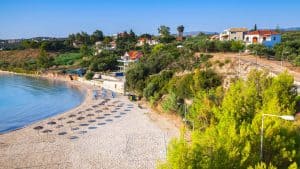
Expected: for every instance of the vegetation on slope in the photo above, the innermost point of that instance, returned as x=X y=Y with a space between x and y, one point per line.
x=226 y=123
x=227 y=127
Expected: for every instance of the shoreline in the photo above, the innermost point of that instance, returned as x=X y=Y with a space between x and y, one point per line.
x=83 y=88
x=114 y=133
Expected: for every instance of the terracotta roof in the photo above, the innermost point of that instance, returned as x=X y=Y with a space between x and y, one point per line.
x=263 y=32
x=142 y=39
x=135 y=54
x=215 y=37
x=238 y=29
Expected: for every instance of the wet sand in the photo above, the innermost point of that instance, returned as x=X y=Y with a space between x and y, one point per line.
x=102 y=133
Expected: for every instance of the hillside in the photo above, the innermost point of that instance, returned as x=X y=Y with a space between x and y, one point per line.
x=18 y=55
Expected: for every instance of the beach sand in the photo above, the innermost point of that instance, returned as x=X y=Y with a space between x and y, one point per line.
x=113 y=134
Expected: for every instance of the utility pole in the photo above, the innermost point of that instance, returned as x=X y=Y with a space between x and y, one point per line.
x=256 y=58
x=281 y=63
x=239 y=71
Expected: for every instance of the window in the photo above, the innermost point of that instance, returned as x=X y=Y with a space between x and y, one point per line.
x=274 y=38
x=264 y=38
x=247 y=39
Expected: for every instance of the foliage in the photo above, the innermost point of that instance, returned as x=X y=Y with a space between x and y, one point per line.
x=237 y=46
x=135 y=78
x=165 y=35
x=126 y=42
x=227 y=127
x=89 y=75
x=202 y=43
x=223 y=46
x=55 y=46
x=290 y=36
x=85 y=51
x=179 y=155
x=180 y=29
x=30 y=44
x=105 y=61
x=258 y=49
x=161 y=57
x=84 y=38
x=169 y=103
x=44 y=60
x=97 y=36
x=67 y=59
x=107 y=40
x=156 y=83
x=289 y=50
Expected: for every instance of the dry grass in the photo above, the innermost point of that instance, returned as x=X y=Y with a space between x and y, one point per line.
x=20 y=55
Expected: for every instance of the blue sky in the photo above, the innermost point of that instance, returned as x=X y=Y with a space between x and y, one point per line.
x=30 y=18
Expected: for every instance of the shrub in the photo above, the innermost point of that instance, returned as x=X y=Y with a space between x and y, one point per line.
x=89 y=76
x=227 y=61
x=67 y=58
x=170 y=102
x=221 y=64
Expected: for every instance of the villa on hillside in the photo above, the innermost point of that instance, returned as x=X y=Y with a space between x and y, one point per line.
x=129 y=57
x=132 y=55
x=233 y=34
x=215 y=37
x=142 y=41
x=268 y=38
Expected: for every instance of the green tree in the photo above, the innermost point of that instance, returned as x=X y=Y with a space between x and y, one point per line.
x=223 y=46
x=97 y=36
x=107 y=40
x=89 y=76
x=135 y=78
x=258 y=49
x=165 y=35
x=230 y=137
x=105 y=61
x=44 y=60
x=255 y=27
x=164 y=31
x=180 y=30
x=85 y=51
x=237 y=46
x=126 y=42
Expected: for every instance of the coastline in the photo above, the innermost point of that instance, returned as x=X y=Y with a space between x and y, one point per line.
x=81 y=87
x=130 y=139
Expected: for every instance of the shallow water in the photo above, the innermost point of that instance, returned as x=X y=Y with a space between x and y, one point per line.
x=24 y=100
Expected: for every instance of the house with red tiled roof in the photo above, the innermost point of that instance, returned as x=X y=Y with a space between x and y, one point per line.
x=268 y=38
x=132 y=55
x=129 y=57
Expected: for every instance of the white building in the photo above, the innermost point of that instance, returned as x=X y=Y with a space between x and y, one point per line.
x=233 y=34
x=129 y=57
x=268 y=38
x=148 y=41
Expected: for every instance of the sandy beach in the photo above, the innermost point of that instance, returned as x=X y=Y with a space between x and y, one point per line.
x=102 y=133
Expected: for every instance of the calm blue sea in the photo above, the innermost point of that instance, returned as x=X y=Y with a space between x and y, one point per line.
x=24 y=100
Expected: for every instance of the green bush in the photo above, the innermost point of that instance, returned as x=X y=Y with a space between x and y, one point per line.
x=89 y=76
x=227 y=128
x=170 y=102
x=227 y=61
x=221 y=64
x=67 y=59
x=155 y=84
